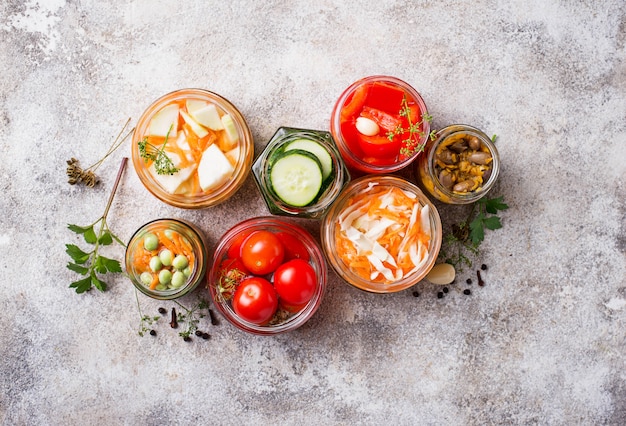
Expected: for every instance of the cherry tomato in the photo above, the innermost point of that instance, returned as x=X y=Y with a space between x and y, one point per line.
x=295 y=282
x=255 y=300
x=234 y=251
x=294 y=248
x=379 y=146
x=262 y=252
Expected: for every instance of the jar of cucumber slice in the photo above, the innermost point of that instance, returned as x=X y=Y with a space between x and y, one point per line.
x=300 y=173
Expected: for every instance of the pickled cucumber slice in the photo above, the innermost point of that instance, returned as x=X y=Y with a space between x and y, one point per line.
x=296 y=177
x=316 y=149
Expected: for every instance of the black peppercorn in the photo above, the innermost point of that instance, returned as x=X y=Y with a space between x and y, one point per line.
x=198 y=333
x=445 y=289
x=483 y=267
x=468 y=281
x=152 y=333
x=162 y=311
x=187 y=339
x=440 y=295
x=467 y=292
x=206 y=336
x=416 y=294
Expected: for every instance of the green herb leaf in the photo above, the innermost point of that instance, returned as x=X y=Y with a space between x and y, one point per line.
x=99 y=266
x=111 y=265
x=81 y=286
x=79 y=229
x=77 y=254
x=493 y=205
x=477 y=231
x=492 y=223
x=77 y=268
x=97 y=283
x=105 y=239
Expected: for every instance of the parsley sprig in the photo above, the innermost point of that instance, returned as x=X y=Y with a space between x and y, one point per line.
x=411 y=144
x=162 y=163
x=91 y=264
x=470 y=233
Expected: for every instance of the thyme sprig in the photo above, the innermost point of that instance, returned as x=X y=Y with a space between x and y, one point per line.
x=411 y=144
x=162 y=163
x=191 y=317
x=77 y=174
x=465 y=237
x=91 y=264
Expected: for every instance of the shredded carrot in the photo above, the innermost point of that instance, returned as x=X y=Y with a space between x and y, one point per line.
x=397 y=240
x=155 y=281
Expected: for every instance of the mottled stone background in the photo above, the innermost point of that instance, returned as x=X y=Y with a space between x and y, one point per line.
x=543 y=342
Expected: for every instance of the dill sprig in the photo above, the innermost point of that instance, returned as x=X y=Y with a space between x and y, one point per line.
x=162 y=163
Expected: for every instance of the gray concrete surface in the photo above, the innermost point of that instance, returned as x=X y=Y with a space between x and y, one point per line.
x=543 y=342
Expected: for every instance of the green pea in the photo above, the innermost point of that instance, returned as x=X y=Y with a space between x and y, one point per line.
x=161 y=287
x=155 y=264
x=150 y=242
x=166 y=257
x=169 y=234
x=187 y=271
x=165 y=276
x=178 y=279
x=146 y=278
x=180 y=262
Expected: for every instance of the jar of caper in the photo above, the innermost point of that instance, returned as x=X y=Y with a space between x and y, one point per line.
x=459 y=166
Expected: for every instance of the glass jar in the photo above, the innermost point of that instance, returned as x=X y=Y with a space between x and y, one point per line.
x=389 y=219
x=193 y=124
x=166 y=258
x=447 y=165
x=387 y=145
x=333 y=173
x=298 y=244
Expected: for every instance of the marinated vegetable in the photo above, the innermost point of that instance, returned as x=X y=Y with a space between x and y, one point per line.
x=380 y=123
x=383 y=234
x=267 y=277
x=164 y=260
x=462 y=163
x=190 y=147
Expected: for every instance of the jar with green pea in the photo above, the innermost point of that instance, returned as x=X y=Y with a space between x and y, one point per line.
x=166 y=258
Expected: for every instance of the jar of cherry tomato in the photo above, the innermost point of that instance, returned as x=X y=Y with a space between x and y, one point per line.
x=380 y=124
x=268 y=276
